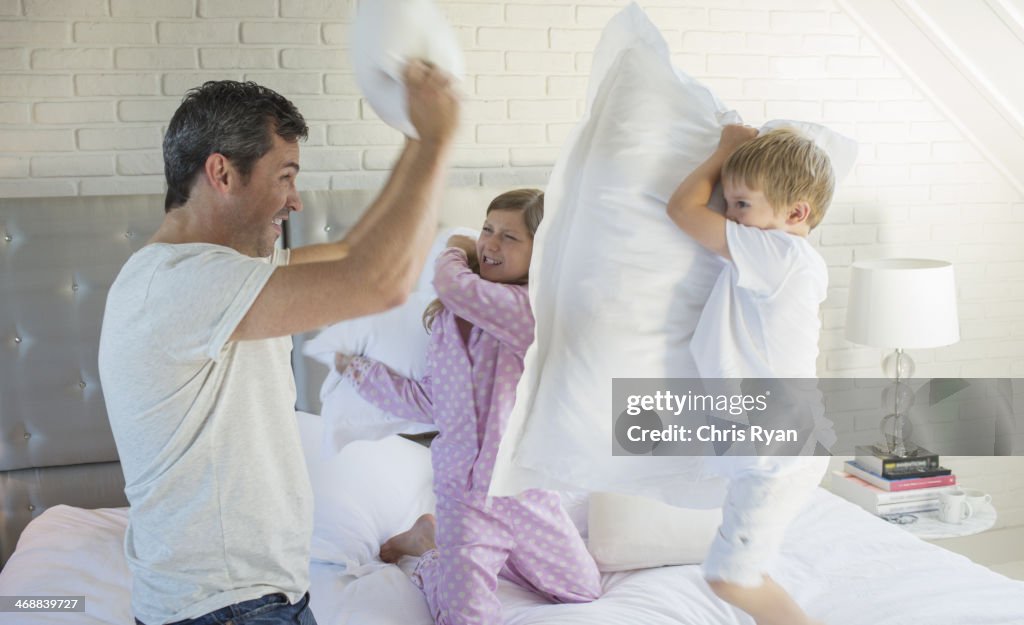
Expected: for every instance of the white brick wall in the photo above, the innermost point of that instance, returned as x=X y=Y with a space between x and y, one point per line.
x=87 y=87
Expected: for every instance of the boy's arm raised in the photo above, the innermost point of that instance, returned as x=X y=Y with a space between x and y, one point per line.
x=688 y=207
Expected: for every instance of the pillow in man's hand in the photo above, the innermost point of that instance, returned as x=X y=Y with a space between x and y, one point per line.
x=386 y=34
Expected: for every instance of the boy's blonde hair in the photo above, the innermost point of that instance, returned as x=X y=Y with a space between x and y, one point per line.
x=530 y=202
x=787 y=167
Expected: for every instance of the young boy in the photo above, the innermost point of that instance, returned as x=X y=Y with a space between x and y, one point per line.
x=760 y=321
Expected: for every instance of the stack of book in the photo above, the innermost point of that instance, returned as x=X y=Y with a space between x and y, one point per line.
x=884 y=484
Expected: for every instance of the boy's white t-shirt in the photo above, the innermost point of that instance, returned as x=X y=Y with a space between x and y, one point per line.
x=221 y=506
x=761 y=319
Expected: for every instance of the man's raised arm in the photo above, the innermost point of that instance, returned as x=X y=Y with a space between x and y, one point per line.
x=379 y=268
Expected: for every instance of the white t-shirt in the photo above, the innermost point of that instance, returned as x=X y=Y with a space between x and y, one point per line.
x=221 y=507
x=761 y=319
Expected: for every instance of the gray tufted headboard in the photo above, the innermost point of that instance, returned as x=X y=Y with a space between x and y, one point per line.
x=58 y=257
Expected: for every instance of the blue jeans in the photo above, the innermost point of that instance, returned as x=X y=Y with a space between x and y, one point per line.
x=267 y=610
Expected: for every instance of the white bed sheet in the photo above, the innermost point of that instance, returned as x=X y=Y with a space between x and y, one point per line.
x=845 y=565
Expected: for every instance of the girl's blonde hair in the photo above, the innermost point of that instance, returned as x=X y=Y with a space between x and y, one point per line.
x=530 y=202
x=787 y=167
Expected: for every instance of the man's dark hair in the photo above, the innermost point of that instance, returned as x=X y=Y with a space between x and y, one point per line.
x=227 y=117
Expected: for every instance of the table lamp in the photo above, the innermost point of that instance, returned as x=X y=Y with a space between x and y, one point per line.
x=901 y=303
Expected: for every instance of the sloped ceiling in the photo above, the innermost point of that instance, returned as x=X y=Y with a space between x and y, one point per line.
x=967 y=55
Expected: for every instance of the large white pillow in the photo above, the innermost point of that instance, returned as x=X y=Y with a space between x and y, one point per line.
x=629 y=310
x=388 y=33
x=363 y=495
x=395 y=337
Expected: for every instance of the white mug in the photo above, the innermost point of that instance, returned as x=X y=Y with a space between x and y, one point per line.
x=953 y=507
x=977 y=498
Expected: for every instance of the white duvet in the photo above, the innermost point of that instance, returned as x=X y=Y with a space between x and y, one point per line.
x=846 y=566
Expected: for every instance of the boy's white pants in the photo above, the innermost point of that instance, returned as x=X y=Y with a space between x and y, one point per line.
x=763 y=496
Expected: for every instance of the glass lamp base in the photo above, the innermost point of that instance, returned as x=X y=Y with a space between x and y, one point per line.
x=899 y=397
x=898 y=366
x=897 y=431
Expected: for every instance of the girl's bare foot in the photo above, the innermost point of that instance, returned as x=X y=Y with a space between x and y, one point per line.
x=415 y=541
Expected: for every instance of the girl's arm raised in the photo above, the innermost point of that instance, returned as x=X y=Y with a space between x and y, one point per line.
x=501 y=310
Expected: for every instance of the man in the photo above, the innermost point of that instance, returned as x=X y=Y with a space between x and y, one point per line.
x=196 y=339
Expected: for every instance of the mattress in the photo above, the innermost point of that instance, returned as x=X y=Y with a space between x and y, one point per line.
x=846 y=566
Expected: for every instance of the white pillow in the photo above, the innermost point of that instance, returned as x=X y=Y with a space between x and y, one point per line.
x=395 y=337
x=68 y=551
x=388 y=33
x=372 y=490
x=426 y=279
x=390 y=336
x=363 y=495
x=630 y=310
x=841 y=150
x=629 y=532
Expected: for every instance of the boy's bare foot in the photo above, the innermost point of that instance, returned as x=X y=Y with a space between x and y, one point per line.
x=415 y=541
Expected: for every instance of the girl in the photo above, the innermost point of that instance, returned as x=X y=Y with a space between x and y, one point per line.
x=480 y=325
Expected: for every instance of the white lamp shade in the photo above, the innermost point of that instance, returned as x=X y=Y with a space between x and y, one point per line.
x=902 y=303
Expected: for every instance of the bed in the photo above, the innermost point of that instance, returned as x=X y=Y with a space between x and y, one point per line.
x=846 y=566
x=59 y=474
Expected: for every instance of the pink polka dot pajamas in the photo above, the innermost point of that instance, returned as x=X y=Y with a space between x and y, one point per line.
x=468 y=391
